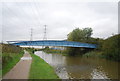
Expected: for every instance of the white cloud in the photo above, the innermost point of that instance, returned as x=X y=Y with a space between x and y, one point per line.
x=60 y=17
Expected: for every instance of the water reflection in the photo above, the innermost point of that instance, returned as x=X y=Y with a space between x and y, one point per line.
x=81 y=68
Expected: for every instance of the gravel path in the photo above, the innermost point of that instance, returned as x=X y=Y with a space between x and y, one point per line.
x=21 y=69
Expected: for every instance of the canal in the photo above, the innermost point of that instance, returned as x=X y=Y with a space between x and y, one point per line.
x=67 y=67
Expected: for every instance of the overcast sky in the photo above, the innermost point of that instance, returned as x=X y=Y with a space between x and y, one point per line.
x=60 y=18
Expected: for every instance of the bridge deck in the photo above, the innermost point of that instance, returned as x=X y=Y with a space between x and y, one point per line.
x=54 y=43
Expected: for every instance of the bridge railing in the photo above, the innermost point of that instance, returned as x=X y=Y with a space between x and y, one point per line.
x=55 y=43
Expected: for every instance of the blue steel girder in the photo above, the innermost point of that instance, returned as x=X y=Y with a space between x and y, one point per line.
x=55 y=43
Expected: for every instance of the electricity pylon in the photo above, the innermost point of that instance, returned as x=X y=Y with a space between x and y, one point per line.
x=45 y=34
x=31 y=36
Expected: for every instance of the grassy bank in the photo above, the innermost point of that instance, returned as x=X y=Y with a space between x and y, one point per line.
x=10 y=60
x=40 y=69
x=10 y=57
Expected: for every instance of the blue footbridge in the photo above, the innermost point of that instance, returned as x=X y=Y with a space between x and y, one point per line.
x=62 y=43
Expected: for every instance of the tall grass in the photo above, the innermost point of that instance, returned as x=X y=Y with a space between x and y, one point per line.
x=7 y=48
x=10 y=56
x=9 y=61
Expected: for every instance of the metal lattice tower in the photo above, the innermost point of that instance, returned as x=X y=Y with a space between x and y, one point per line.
x=31 y=35
x=45 y=34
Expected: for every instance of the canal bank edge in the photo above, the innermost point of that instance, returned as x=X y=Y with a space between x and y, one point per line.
x=40 y=69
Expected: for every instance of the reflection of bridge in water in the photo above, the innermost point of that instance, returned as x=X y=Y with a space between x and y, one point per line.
x=53 y=43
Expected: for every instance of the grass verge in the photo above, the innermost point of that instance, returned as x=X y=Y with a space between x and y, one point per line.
x=9 y=60
x=40 y=69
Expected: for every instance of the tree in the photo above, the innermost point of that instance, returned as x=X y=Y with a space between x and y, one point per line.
x=79 y=35
x=111 y=47
x=87 y=32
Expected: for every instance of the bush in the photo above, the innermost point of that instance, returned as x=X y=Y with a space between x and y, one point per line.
x=10 y=56
x=93 y=54
x=111 y=47
x=7 y=48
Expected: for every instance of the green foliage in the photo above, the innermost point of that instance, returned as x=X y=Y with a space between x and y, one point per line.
x=97 y=41
x=47 y=47
x=10 y=56
x=9 y=60
x=72 y=51
x=80 y=35
x=32 y=49
x=111 y=48
x=40 y=69
x=7 y=48
x=93 y=54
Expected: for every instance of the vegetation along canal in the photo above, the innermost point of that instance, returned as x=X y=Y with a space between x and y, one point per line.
x=81 y=67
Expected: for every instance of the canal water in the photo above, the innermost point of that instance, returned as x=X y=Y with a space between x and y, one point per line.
x=67 y=67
